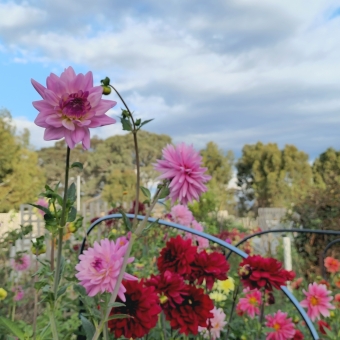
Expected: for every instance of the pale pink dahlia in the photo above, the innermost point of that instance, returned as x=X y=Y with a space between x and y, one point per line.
x=199 y=241
x=21 y=263
x=181 y=214
x=283 y=326
x=18 y=293
x=43 y=203
x=317 y=301
x=99 y=268
x=250 y=303
x=181 y=165
x=70 y=106
x=214 y=325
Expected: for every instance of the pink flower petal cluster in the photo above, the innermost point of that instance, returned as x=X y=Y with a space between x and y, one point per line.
x=43 y=203
x=18 y=293
x=99 y=268
x=70 y=106
x=201 y=242
x=215 y=325
x=181 y=165
x=283 y=326
x=21 y=263
x=317 y=301
x=250 y=303
x=181 y=214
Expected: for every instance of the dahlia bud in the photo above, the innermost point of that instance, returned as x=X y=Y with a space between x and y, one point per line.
x=270 y=298
x=106 y=90
x=245 y=271
x=296 y=319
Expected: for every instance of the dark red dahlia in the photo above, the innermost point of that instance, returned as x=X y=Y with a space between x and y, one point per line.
x=209 y=267
x=112 y=222
x=258 y=272
x=194 y=311
x=141 y=208
x=298 y=335
x=142 y=304
x=322 y=325
x=170 y=287
x=177 y=256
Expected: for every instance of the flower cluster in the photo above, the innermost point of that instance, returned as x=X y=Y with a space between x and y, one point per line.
x=188 y=308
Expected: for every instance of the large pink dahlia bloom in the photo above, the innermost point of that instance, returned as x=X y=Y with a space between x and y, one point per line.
x=283 y=326
x=99 y=268
x=70 y=106
x=181 y=165
x=317 y=301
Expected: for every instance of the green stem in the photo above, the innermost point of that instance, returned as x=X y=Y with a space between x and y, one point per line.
x=53 y=325
x=61 y=226
x=236 y=291
x=261 y=314
x=163 y=326
x=13 y=311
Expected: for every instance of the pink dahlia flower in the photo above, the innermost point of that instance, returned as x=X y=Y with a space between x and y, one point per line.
x=99 y=268
x=181 y=214
x=317 y=301
x=214 y=325
x=283 y=326
x=18 y=293
x=43 y=203
x=181 y=165
x=21 y=263
x=70 y=106
x=250 y=303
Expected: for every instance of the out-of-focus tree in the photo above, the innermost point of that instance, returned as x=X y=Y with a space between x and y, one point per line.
x=270 y=177
x=326 y=169
x=21 y=178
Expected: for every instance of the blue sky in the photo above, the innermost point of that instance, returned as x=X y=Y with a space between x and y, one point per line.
x=235 y=72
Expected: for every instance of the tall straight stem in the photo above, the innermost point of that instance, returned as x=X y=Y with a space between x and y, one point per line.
x=62 y=225
x=232 y=310
x=134 y=223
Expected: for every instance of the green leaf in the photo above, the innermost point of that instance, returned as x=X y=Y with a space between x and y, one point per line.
x=61 y=291
x=71 y=193
x=145 y=122
x=146 y=192
x=80 y=290
x=77 y=165
x=62 y=267
x=88 y=327
x=12 y=327
x=44 y=209
x=72 y=214
x=151 y=225
x=164 y=193
x=115 y=304
x=126 y=124
x=40 y=284
x=126 y=220
x=118 y=316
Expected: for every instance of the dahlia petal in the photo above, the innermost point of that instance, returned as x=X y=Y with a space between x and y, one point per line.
x=56 y=85
x=51 y=97
x=101 y=121
x=44 y=106
x=88 y=81
x=54 y=120
x=52 y=133
x=95 y=96
x=68 y=124
x=68 y=75
x=103 y=106
x=41 y=120
x=77 y=83
x=86 y=140
x=78 y=134
x=68 y=139
x=39 y=88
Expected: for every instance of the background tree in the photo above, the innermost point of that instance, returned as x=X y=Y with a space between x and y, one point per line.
x=326 y=169
x=270 y=177
x=21 y=179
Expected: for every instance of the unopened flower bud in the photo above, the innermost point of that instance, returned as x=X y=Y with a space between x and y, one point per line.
x=106 y=90
x=3 y=294
x=296 y=319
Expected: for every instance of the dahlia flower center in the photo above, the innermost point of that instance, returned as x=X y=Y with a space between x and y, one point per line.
x=253 y=301
x=276 y=326
x=314 y=301
x=185 y=170
x=163 y=298
x=75 y=105
x=97 y=264
x=131 y=306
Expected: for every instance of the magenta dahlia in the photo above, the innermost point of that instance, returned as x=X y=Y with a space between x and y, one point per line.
x=99 y=268
x=70 y=106
x=181 y=165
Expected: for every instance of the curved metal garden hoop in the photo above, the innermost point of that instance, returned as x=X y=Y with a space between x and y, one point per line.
x=231 y=248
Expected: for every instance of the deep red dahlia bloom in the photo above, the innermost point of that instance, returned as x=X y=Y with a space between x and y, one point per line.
x=322 y=325
x=194 y=311
x=298 y=335
x=177 y=256
x=170 y=286
x=209 y=267
x=142 y=304
x=258 y=272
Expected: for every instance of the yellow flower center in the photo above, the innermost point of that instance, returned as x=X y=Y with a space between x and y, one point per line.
x=314 y=301
x=276 y=326
x=253 y=301
x=163 y=299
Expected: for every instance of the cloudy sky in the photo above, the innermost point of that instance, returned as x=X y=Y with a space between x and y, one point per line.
x=230 y=71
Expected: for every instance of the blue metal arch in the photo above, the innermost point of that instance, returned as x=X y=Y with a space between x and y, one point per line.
x=220 y=242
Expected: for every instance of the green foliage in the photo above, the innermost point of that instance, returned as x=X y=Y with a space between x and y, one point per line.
x=326 y=169
x=270 y=177
x=20 y=176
